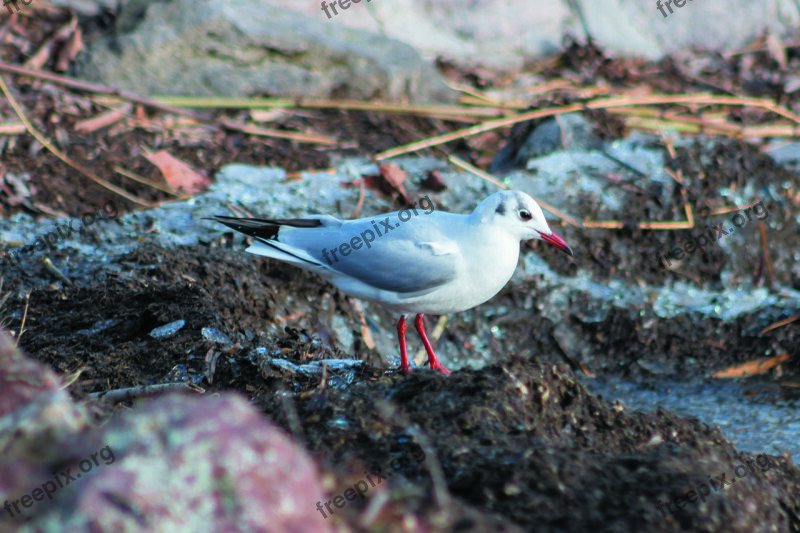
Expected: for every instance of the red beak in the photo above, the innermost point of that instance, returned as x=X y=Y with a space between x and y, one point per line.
x=557 y=241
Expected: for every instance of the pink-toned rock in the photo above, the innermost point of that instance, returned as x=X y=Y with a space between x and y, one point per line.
x=24 y=381
x=179 y=463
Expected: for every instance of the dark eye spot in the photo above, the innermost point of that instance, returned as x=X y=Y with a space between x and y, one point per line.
x=525 y=215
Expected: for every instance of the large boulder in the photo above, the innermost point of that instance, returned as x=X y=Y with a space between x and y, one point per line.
x=179 y=463
x=510 y=32
x=211 y=48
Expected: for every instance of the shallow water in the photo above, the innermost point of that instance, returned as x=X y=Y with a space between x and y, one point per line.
x=755 y=416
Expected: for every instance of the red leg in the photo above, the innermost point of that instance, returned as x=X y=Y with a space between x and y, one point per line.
x=401 y=336
x=420 y=325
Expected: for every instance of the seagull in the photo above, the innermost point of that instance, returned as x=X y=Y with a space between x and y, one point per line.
x=415 y=261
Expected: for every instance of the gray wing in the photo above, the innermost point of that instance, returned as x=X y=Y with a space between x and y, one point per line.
x=412 y=256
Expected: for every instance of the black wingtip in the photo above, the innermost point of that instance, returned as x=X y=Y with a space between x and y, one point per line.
x=236 y=225
x=263 y=228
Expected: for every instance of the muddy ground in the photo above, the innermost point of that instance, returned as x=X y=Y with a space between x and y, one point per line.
x=519 y=445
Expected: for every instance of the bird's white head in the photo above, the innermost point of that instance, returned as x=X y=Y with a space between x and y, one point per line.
x=520 y=215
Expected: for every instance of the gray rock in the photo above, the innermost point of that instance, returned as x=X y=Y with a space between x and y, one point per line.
x=209 y=48
x=89 y=8
x=507 y=33
x=784 y=152
x=570 y=131
x=633 y=27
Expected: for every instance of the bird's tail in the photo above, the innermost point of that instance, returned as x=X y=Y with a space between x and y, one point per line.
x=266 y=231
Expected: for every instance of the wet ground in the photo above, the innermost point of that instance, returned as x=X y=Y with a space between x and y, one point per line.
x=756 y=414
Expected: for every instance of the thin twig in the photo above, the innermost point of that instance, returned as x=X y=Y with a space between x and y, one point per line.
x=289 y=410
x=68 y=379
x=45 y=142
x=266 y=132
x=145 y=181
x=24 y=316
x=604 y=103
x=154 y=104
x=782 y=323
x=441 y=495
x=765 y=251
x=457 y=161
x=133 y=393
x=50 y=267
x=486 y=109
x=474 y=130
x=463 y=165
x=99 y=89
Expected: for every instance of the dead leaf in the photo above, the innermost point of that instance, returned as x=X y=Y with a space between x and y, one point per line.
x=104 y=119
x=50 y=211
x=37 y=61
x=269 y=115
x=586 y=371
x=177 y=173
x=12 y=129
x=70 y=50
x=776 y=49
x=40 y=58
x=394 y=176
x=488 y=140
x=751 y=368
x=142 y=120
x=360 y=203
x=792 y=84
x=365 y=333
x=14 y=188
